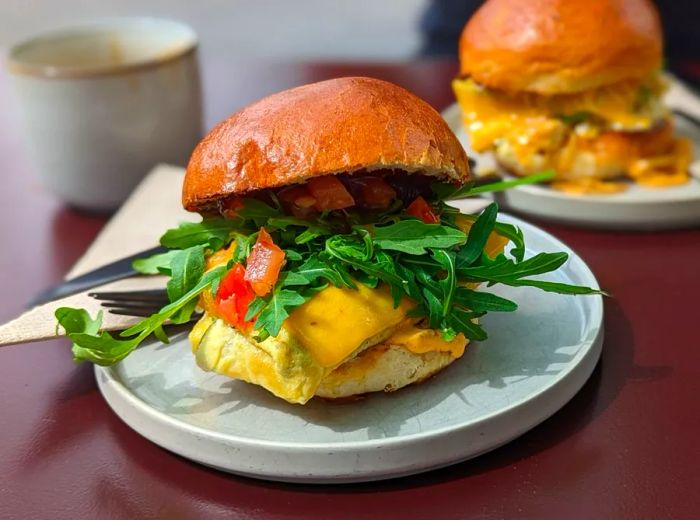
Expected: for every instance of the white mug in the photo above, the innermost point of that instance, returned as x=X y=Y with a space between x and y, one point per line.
x=103 y=103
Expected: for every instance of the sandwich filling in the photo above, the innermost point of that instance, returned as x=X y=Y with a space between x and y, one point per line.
x=590 y=139
x=334 y=287
x=337 y=336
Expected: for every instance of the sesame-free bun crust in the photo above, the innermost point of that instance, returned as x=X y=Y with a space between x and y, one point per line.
x=560 y=46
x=382 y=368
x=337 y=126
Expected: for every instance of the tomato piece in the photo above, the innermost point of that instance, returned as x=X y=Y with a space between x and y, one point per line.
x=330 y=193
x=298 y=201
x=264 y=264
x=376 y=192
x=419 y=208
x=230 y=206
x=233 y=298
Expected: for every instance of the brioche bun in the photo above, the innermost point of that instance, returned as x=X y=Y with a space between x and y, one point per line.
x=381 y=368
x=560 y=46
x=338 y=126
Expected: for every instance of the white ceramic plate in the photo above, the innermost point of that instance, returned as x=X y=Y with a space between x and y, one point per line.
x=637 y=208
x=535 y=360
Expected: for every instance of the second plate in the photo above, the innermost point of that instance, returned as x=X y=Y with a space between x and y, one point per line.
x=637 y=208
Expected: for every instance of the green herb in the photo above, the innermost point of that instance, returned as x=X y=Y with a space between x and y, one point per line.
x=89 y=344
x=575 y=118
x=644 y=96
x=156 y=264
x=428 y=264
x=415 y=237
x=212 y=233
x=446 y=191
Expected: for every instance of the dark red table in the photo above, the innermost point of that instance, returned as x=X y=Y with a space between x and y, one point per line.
x=627 y=446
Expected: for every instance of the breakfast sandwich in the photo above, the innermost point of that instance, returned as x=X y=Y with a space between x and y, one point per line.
x=571 y=86
x=327 y=262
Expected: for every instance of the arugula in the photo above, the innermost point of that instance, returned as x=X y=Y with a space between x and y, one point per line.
x=429 y=264
x=445 y=191
x=213 y=233
x=575 y=118
x=156 y=264
x=415 y=237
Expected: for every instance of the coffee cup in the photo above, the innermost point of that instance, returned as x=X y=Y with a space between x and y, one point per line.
x=105 y=102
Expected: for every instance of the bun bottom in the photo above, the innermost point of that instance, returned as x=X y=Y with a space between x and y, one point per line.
x=382 y=368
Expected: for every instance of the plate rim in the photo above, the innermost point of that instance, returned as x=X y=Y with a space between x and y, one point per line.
x=107 y=376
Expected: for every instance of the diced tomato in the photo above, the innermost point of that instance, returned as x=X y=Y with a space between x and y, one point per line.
x=230 y=206
x=298 y=201
x=264 y=264
x=376 y=192
x=419 y=208
x=233 y=297
x=330 y=193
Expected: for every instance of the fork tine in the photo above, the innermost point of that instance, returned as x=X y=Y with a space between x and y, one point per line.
x=150 y=295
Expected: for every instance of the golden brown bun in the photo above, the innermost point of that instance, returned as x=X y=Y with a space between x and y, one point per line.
x=560 y=46
x=381 y=368
x=336 y=126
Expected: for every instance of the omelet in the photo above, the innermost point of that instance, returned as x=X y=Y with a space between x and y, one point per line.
x=587 y=138
x=342 y=342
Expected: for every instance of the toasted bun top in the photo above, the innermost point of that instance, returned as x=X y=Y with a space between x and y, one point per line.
x=336 y=126
x=560 y=46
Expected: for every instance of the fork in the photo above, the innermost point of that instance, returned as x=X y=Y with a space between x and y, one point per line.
x=132 y=303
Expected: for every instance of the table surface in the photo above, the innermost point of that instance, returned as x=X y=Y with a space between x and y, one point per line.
x=625 y=447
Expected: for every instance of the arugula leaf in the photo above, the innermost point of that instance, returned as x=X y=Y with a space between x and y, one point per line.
x=502 y=269
x=187 y=267
x=575 y=118
x=480 y=301
x=515 y=235
x=509 y=231
x=254 y=209
x=156 y=264
x=254 y=308
x=434 y=306
x=342 y=249
x=414 y=237
x=315 y=267
x=478 y=236
x=461 y=321
x=448 y=284
x=451 y=192
x=494 y=187
x=557 y=287
x=211 y=232
x=156 y=320
x=89 y=344
x=77 y=320
x=272 y=317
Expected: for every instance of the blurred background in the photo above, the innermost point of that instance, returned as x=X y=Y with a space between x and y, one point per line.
x=249 y=29
x=377 y=30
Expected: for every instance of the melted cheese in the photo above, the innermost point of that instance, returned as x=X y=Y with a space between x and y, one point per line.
x=525 y=131
x=420 y=341
x=337 y=321
x=620 y=105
